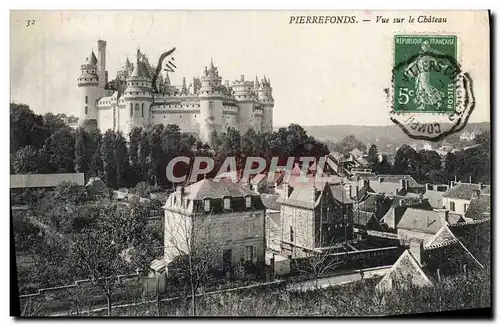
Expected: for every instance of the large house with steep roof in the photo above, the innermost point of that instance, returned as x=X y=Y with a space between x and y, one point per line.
x=315 y=217
x=233 y=215
x=418 y=225
x=458 y=198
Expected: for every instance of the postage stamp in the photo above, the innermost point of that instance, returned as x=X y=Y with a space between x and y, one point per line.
x=431 y=96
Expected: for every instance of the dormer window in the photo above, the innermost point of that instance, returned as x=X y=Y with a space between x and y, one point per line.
x=248 y=201
x=227 y=203
x=206 y=205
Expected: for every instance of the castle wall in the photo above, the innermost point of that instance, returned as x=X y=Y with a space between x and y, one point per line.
x=245 y=117
x=257 y=122
x=105 y=118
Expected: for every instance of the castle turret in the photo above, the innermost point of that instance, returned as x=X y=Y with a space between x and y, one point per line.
x=243 y=92
x=210 y=94
x=138 y=96
x=88 y=83
x=265 y=95
x=101 y=66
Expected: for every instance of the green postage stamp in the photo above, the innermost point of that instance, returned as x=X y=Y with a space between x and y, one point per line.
x=431 y=96
x=427 y=83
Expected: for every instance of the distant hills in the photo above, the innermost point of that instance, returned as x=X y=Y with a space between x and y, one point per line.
x=385 y=137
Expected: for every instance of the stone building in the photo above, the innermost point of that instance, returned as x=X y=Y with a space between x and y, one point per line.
x=203 y=107
x=230 y=213
x=315 y=217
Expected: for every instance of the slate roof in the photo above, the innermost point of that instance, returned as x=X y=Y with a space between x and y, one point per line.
x=454 y=218
x=45 y=180
x=412 y=183
x=435 y=198
x=385 y=187
x=271 y=201
x=140 y=70
x=406 y=265
x=370 y=204
x=300 y=197
x=340 y=194
x=479 y=207
x=258 y=178
x=443 y=237
x=486 y=190
x=209 y=189
x=462 y=190
x=420 y=220
x=362 y=217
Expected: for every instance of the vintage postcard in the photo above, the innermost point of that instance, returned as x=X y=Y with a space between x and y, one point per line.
x=250 y=163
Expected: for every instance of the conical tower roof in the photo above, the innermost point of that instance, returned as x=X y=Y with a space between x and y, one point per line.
x=92 y=59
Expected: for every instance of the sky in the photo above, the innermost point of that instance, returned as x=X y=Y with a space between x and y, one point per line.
x=321 y=74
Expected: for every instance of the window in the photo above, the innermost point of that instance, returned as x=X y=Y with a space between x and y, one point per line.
x=249 y=229
x=210 y=105
x=248 y=201
x=227 y=203
x=465 y=207
x=86 y=110
x=249 y=253
x=452 y=206
x=131 y=109
x=86 y=100
x=291 y=234
x=142 y=109
x=207 y=205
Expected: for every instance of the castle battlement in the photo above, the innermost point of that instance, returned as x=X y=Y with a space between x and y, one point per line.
x=201 y=106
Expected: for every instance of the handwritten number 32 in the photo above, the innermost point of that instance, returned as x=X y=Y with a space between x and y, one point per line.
x=30 y=22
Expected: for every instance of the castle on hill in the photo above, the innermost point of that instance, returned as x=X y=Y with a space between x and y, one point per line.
x=202 y=108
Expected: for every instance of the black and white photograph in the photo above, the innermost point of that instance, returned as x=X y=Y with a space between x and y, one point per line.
x=250 y=163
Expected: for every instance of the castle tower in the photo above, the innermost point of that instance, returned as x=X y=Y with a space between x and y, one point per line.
x=265 y=95
x=138 y=96
x=210 y=94
x=101 y=68
x=88 y=83
x=243 y=94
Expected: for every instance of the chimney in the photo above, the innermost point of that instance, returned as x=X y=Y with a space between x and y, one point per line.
x=443 y=217
x=476 y=193
x=315 y=194
x=403 y=185
x=416 y=249
x=287 y=189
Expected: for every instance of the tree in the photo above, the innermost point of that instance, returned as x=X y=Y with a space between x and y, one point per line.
x=60 y=147
x=122 y=160
x=112 y=246
x=26 y=160
x=82 y=157
x=109 y=159
x=135 y=138
x=318 y=264
x=406 y=161
x=383 y=166
x=94 y=149
x=26 y=128
x=197 y=249
x=373 y=154
x=348 y=144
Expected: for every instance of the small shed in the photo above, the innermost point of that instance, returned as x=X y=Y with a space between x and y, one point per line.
x=96 y=186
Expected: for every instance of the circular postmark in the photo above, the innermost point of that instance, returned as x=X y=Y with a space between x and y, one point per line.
x=431 y=96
